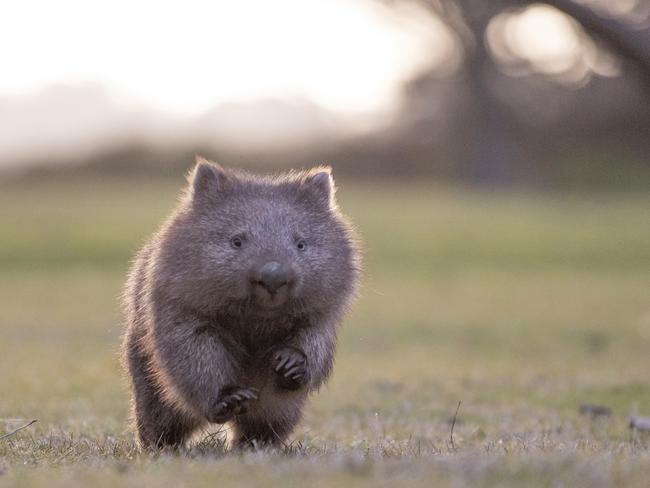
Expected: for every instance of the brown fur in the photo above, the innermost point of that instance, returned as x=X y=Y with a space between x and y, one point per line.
x=204 y=338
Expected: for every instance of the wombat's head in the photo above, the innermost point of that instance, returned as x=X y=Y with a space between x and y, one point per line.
x=261 y=245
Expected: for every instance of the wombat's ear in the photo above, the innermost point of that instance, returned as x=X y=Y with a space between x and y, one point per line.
x=207 y=178
x=318 y=185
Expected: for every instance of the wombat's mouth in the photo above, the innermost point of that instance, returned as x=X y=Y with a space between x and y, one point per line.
x=270 y=299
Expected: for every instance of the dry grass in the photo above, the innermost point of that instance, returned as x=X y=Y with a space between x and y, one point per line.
x=523 y=307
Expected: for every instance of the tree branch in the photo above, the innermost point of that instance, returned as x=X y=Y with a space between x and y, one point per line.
x=631 y=44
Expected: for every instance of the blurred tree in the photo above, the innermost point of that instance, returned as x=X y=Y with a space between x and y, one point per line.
x=492 y=149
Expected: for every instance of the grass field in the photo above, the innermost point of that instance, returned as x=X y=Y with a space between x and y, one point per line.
x=522 y=307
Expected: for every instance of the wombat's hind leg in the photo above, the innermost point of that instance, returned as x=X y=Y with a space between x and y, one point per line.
x=158 y=426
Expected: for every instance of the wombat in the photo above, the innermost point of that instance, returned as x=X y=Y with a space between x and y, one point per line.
x=234 y=304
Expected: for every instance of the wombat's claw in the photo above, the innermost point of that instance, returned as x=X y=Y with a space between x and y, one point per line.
x=295 y=372
x=290 y=365
x=232 y=402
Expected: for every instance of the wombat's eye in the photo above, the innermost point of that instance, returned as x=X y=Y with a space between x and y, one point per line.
x=236 y=242
x=301 y=245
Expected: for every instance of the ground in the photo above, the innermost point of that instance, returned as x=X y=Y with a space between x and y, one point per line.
x=522 y=306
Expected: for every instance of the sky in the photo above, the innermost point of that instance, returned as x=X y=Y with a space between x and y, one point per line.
x=183 y=57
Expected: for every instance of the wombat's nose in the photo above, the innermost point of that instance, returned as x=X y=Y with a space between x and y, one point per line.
x=272 y=276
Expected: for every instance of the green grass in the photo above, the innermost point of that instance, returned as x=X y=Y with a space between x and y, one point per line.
x=521 y=306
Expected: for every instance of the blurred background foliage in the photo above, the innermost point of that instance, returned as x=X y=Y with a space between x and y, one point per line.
x=506 y=92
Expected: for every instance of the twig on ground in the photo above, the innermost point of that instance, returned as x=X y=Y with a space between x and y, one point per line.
x=453 y=424
x=9 y=434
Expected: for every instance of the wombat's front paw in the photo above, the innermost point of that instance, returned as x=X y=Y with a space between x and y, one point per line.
x=290 y=367
x=232 y=402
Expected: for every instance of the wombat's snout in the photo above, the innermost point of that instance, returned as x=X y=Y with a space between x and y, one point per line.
x=272 y=276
